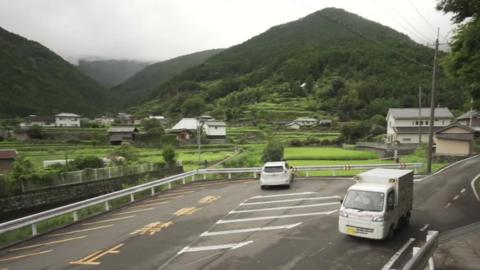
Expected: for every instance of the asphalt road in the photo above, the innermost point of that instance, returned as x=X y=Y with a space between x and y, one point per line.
x=235 y=225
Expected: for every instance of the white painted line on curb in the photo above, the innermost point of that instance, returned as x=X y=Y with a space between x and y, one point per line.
x=473 y=187
x=282 y=208
x=424 y=227
x=289 y=226
x=275 y=217
x=281 y=195
x=206 y=248
x=397 y=254
x=293 y=200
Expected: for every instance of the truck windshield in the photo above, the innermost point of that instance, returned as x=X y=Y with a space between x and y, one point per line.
x=364 y=200
x=273 y=169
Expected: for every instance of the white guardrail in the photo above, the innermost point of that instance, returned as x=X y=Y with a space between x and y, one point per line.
x=422 y=258
x=72 y=209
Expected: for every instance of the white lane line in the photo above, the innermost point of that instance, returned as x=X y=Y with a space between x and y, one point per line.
x=269 y=228
x=275 y=217
x=448 y=205
x=397 y=254
x=456 y=197
x=424 y=227
x=293 y=200
x=281 y=195
x=282 y=208
x=473 y=187
x=463 y=190
x=206 y=248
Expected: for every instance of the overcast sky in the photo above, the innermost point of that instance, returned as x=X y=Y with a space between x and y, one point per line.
x=156 y=30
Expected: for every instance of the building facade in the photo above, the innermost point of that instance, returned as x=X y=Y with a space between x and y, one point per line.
x=412 y=125
x=67 y=120
x=455 y=140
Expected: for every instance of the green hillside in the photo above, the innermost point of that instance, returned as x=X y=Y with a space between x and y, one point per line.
x=34 y=80
x=110 y=73
x=140 y=86
x=329 y=63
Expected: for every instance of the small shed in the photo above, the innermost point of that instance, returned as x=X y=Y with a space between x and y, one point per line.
x=455 y=140
x=215 y=129
x=118 y=135
x=7 y=157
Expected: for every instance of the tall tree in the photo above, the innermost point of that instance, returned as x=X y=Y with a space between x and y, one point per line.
x=464 y=60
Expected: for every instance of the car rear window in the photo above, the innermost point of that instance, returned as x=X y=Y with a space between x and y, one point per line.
x=273 y=169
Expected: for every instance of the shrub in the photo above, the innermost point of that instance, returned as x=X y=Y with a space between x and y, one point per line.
x=169 y=154
x=84 y=162
x=128 y=151
x=36 y=132
x=296 y=143
x=273 y=151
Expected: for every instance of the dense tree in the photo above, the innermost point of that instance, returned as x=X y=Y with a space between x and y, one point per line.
x=193 y=107
x=169 y=155
x=84 y=162
x=273 y=151
x=464 y=60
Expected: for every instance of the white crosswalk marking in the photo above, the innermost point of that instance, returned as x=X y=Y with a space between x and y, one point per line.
x=216 y=247
x=275 y=217
x=269 y=228
x=293 y=200
x=281 y=195
x=282 y=208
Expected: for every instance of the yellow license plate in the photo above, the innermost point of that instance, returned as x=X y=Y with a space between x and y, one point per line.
x=351 y=230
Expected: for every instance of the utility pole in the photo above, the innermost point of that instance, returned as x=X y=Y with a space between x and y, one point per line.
x=432 y=107
x=471 y=112
x=420 y=121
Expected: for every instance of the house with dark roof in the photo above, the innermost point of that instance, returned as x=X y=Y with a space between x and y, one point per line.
x=470 y=119
x=455 y=140
x=410 y=125
x=7 y=157
x=118 y=135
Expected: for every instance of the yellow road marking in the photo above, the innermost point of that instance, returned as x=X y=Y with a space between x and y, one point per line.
x=134 y=211
x=25 y=255
x=107 y=220
x=209 y=199
x=150 y=204
x=48 y=243
x=84 y=230
x=152 y=228
x=92 y=258
x=186 y=211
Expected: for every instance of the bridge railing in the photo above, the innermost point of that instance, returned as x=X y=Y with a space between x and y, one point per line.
x=152 y=188
x=422 y=257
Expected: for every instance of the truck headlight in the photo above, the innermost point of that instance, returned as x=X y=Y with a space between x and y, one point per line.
x=343 y=213
x=378 y=219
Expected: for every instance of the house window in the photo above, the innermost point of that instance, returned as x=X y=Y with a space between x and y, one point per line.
x=416 y=123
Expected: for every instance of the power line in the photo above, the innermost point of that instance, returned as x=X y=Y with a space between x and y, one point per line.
x=421 y=15
x=415 y=33
x=373 y=41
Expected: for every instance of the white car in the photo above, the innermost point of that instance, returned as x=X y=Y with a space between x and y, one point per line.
x=276 y=174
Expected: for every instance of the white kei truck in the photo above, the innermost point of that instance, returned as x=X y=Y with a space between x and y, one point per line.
x=378 y=204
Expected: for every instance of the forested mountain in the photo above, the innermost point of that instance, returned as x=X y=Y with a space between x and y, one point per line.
x=331 y=62
x=110 y=73
x=138 y=88
x=34 y=80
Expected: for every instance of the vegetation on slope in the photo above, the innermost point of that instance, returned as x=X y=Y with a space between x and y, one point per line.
x=110 y=73
x=34 y=80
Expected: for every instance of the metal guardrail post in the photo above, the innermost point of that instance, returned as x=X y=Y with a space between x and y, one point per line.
x=204 y=177
x=107 y=206
x=229 y=176
x=169 y=186
x=183 y=181
x=132 y=197
x=34 y=229
x=255 y=175
x=75 y=216
x=422 y=257
x=152 y=191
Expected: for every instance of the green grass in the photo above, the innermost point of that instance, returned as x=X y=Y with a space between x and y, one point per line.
x=15 y=236
x=326 y=153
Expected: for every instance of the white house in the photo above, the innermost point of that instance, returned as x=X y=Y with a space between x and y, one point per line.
x=67 y=120
x=404 y=125
x=104 y=121
x=302 y=122
x=215 y=129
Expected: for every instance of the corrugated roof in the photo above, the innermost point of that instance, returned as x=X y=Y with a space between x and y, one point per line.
x=215 y=123
x=186 y=123
x=455 y=136
x=409 y=113
x=473 y=113
x=122 y=129
x=469 y=129
x=67 y=115
x=8 y=154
